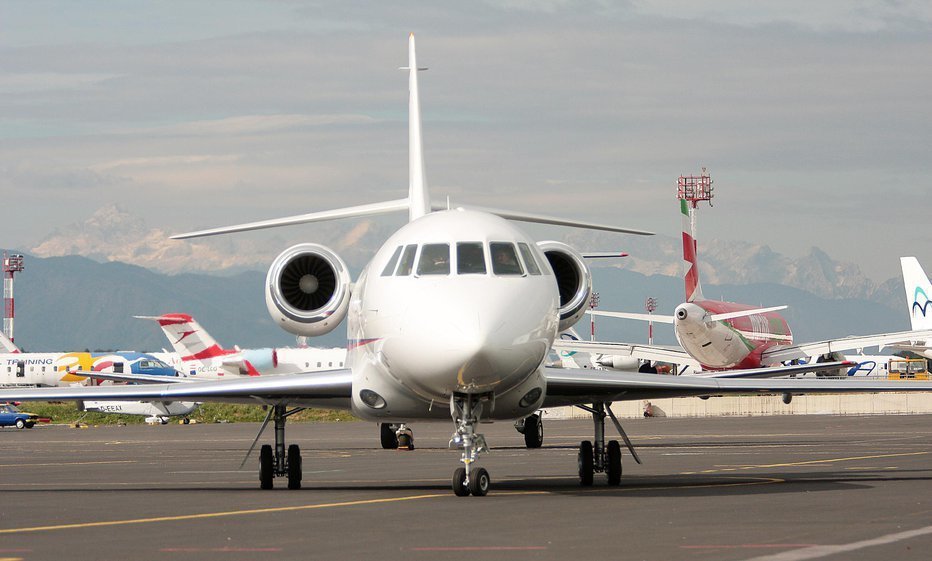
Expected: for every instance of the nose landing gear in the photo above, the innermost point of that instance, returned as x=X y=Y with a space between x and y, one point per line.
x=466 y=410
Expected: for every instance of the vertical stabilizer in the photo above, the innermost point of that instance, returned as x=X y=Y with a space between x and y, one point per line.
x=418 y=195
x=690 y=250
x=187 y=337
x=918 y=293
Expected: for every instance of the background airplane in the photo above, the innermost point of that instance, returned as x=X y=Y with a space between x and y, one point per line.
x=727 y=338
x=452 y=318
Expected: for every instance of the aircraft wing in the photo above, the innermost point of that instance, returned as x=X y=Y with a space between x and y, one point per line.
x=255 y=390
x=575 y=386
x=643 y=352
x=133 y=378
x=776 y=370
x=795 y=352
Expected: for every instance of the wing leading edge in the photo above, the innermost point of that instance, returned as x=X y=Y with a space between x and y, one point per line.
x=572 y=386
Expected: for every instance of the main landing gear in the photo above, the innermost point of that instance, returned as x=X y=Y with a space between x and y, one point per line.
x=275 y=462
x=466 y=410
x=596 y=457
x=396 y=436
x=532 y=427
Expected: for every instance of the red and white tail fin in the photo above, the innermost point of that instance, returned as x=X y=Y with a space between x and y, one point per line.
x=6 y=345
x=187 y=337
x=690 y=250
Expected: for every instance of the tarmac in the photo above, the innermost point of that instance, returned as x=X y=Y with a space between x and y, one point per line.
x=773 y=488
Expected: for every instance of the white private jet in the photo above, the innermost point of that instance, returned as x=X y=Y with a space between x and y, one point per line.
x=453 y=316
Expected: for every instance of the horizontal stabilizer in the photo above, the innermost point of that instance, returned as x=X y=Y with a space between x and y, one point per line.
x=659 y=318
x=346 y=212
x=744 y=313
x=541 y=219
x=806 y=350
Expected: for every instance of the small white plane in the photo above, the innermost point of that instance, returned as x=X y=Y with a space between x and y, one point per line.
x=452 y=318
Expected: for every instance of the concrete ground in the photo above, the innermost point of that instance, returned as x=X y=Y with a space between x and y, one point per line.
x=786 y=488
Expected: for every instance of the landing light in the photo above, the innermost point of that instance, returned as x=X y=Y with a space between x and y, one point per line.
x=372 y=399
x=530 y=398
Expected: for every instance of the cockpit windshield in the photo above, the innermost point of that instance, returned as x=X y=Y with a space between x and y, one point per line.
x=435 y=259
x=505 y=259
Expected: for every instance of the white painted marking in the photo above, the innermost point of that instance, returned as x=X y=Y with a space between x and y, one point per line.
x=827 y=550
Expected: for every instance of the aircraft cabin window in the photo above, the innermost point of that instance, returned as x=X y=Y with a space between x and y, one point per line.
x=434 y=260
x=318 y=365
x=529 y=260
x=505 y=259
x=470 y=258
x=407 y=261
x=390 y=267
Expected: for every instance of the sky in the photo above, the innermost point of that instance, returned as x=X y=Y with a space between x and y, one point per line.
x=814 y=119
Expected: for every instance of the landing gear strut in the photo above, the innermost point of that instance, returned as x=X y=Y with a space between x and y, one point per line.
x=394 y=436
x=276 y=462
x=596 y=457
x=466 y=410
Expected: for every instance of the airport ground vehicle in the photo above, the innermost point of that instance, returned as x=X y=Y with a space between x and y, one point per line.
x=10 y=416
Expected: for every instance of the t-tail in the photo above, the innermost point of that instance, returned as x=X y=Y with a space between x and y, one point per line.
x=690 y=252
x=187 y=337
x=918 y=293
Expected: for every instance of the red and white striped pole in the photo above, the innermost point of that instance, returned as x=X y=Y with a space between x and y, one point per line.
x=593 y=304
x=11 y=264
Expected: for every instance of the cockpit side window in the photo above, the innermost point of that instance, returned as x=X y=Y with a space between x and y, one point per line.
x=470 y=258
x=529 y=260
x=390 y=267
x=407 y=261
x=434 y=260
x=505 y=259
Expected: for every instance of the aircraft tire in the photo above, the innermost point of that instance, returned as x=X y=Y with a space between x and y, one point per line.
x=479 y=482
x=534 y=431
x=294 y=467
x=584 y=462
x=459 y=483
x=387 y=436
x=614 y=463
x=266 y=466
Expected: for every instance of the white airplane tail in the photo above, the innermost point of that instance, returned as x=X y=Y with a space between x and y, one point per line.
x=418 y=202
x=918 y=293
x=6 y=345
x=187 y=337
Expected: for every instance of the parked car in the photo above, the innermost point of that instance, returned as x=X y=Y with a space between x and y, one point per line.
x=10 y=416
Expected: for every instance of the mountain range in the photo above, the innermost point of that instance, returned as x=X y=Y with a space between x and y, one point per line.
x=83 y=283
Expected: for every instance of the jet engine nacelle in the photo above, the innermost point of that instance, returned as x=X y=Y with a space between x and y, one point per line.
x=307 y=290
x=574 y=281
x=620 y=362
x=832 y=357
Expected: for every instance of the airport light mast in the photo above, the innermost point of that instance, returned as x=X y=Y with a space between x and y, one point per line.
x=691 y=190
x=651 y=307
x=593 y=304
x=11 y=264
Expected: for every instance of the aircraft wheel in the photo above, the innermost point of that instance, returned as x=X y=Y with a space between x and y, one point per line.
x=387 y=436
x=584 y=462
x=459 y=483
x=266 y=466
x=614 y=463
x=534 y=431
x=479 y=482
x=20 y=424
x=294 y=467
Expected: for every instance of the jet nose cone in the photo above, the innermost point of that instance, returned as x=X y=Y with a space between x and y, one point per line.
x=463 y=348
